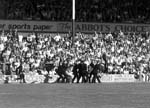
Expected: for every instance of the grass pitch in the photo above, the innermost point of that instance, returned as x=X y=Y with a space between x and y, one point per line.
x=112 y=95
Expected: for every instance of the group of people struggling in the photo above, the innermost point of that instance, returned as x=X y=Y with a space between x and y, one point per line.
x=80 y=71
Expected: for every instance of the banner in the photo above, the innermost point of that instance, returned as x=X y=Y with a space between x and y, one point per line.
x=118 y=78
x=106 y=78
x=28 y=26
x=29 y=79
x=36 y=78
x=103 y=27
x=123 y=78
x=65 y=27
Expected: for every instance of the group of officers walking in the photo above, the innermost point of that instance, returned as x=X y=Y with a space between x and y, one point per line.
x=81 y=72
x=88 y=74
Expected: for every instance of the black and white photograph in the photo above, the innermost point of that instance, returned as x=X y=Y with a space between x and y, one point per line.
x=74 y=53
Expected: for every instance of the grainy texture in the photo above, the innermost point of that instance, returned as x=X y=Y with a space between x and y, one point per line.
x=115 y=95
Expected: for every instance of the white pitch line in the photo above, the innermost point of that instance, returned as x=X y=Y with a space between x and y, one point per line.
x=6 y=93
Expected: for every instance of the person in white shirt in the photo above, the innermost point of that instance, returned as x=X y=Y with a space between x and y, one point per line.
x=57 y=38
x=20 y=38
x=36 y=64
x=5 y=38
x=26 y=67
x=2 y=47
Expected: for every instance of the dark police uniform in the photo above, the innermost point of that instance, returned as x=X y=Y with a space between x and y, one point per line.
x=75 y=72
x=83 y=72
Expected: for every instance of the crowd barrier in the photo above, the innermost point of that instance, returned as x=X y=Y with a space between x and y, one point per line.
x=36 y=78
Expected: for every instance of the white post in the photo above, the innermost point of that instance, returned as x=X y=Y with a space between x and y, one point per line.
x=73 y=21
x=73 y=9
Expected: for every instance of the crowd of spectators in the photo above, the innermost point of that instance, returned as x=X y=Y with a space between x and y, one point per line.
x=125 y=53
x=132 y=11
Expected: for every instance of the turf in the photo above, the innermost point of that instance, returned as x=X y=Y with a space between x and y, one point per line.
x=114 y=95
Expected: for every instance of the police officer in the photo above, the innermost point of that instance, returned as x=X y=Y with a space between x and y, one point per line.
x=95 y=72
x=49 y=64
x=75 y=71
x=21 y=73
x=83 y=72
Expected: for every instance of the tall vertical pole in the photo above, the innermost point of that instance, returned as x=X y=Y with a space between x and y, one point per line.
x=73 y=21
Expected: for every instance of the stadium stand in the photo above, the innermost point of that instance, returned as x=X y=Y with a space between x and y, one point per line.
x=88 y=55
x=131 y=11
x=116 y=54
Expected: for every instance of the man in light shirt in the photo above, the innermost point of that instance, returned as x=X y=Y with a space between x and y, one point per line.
x=1 y=46
x=20 y=38
x=57 y=38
